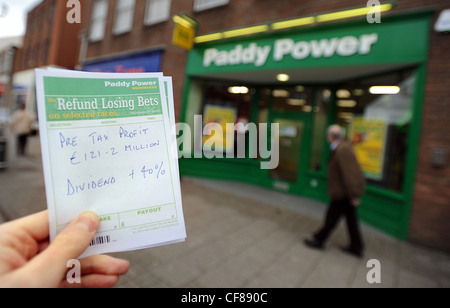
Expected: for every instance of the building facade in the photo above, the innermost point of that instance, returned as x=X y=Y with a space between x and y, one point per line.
x=8 y=51
x=49 y=41
x=303 y=66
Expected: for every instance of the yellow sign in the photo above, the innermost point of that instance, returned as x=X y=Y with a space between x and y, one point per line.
x=369 y=140
x=184 y=33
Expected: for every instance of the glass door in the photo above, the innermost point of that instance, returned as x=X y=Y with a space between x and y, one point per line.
x=290 y=109
x=290 y=138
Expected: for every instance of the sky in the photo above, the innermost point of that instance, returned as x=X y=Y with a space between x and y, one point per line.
x=14 y=23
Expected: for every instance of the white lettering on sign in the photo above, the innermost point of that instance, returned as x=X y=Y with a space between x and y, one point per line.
x=324 y=48
x=239 y=55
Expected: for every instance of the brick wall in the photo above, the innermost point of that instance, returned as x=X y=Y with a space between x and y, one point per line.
x=430 y=222
x=431 y=205
x=49 y=38
x=236 y=14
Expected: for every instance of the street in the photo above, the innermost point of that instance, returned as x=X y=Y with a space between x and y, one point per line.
x=242 y=236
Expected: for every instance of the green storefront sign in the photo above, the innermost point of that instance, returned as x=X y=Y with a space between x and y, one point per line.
x=321 y=57
x=402 y=41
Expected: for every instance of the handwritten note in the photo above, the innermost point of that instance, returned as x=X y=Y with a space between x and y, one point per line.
x=108 y=146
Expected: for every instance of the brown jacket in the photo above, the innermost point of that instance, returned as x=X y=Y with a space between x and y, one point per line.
x=21 y=122
x=345 y=178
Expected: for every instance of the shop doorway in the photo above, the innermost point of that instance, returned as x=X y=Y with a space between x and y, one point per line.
x=290 y=138
x=290 y=109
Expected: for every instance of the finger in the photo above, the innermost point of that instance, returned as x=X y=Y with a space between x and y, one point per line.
x=25 y=235
x=70 y=243
x=73 y=240
x=93 y=281
x=104 y=265
x=43 y=246
x=35 y=225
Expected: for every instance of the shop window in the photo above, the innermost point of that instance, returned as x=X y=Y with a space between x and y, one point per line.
x=292 y=99
x=157 y=11
x=376 y=114
x=201 y=5
x=227 y=104
x=98 y=20
x=123 y=21
x=222 y=103
x=318 y=145
x=265 y=95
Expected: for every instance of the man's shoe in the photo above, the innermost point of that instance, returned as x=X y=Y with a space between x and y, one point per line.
x=354 y=252
x=313 y=244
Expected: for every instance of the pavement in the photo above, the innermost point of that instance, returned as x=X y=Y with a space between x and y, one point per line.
x=241 y=236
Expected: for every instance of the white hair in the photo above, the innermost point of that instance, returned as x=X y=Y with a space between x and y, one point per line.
x=336 y=132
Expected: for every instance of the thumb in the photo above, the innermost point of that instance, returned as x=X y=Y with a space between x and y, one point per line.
x=69 y=244
x=73 y=240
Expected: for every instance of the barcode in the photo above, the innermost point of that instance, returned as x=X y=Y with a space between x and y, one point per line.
x=99 y=240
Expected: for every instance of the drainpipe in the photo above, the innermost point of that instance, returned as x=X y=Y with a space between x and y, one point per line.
x=83 y=37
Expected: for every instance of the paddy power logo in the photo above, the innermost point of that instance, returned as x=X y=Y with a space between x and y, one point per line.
x=259 y=55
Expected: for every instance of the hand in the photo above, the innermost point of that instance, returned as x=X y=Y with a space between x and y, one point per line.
x=27 y=259
x=356 y=202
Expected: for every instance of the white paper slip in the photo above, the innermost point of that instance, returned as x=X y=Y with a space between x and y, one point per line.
x=108 y=146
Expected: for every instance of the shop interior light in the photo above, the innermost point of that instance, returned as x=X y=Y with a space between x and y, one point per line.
x=244 y=90
x=345 y=115
x=358 y=92
x=245 y=31
x=296 y=102
x=346 y=103
x=352 y=13
x=326 y=93
x=238 y=90
x=384 y=90
x=281 y=93
x=343 y=93
x=283 y=77
x=299 y=88
x=293 y=23
x=307 y=108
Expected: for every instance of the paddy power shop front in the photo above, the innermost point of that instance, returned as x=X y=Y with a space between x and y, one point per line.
x=368 y=78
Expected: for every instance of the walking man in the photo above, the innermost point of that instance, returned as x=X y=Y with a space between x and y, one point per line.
x=21 y=124
x=346 y=185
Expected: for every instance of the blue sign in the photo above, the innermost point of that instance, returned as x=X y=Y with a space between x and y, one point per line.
x=146 y=62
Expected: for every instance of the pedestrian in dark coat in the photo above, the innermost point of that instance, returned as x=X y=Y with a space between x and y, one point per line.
x=346 y=185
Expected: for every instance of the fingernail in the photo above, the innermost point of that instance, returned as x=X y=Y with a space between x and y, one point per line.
x=88 y=220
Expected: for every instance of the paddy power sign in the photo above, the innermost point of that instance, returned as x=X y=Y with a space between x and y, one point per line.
x=258 y=55
x=343 y=45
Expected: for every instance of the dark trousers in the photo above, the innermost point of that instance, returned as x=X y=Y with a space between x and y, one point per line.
x=336 y=210
x=21 y=144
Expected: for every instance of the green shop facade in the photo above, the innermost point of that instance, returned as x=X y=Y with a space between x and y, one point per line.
x=368 y=78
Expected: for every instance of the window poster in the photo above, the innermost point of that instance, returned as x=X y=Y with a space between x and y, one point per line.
x=222 y=116
x=368 y=136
